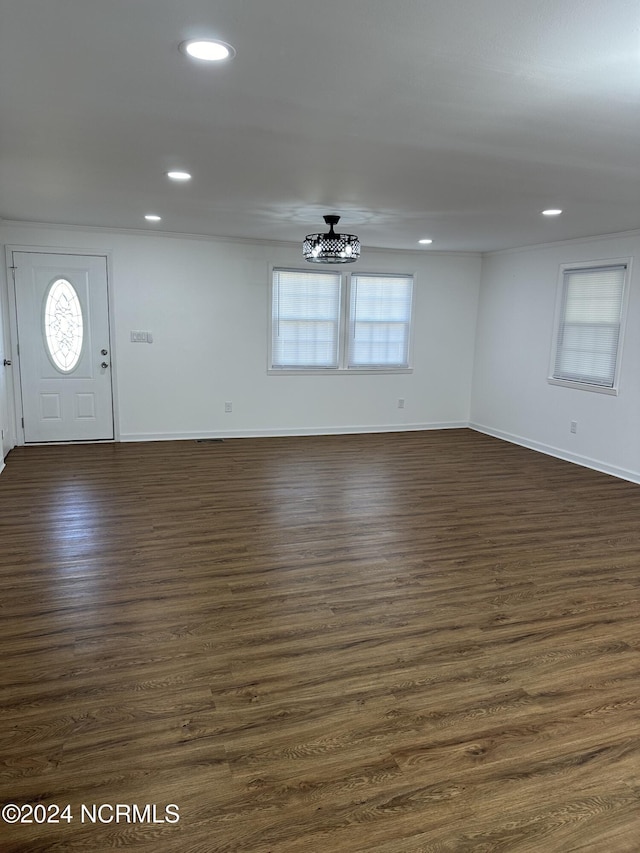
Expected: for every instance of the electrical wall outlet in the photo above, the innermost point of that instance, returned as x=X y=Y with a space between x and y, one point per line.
x=228 y=407
x=574 y=427
x=401 y=403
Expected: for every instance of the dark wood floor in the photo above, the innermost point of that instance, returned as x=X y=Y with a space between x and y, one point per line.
x=405 y=643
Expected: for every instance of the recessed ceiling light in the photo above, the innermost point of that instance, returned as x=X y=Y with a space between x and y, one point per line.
x=553 y=211
x=208 y=50
x=179 y=176
x=152 y=217
x=425 y=242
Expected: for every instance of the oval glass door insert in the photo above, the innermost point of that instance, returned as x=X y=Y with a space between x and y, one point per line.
x=63 y=325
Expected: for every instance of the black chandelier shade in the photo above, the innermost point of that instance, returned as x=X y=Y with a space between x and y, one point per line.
x=331 y=248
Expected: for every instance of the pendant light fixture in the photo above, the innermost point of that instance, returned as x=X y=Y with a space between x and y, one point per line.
x=331 y=248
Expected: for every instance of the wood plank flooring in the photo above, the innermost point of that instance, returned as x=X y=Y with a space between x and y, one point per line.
x=400 y=643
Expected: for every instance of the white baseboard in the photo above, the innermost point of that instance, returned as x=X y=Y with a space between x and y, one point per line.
x=267 y=433
x=550 y=450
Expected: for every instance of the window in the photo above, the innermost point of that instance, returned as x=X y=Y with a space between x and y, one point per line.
x=589 y=326
x=379 y=321
x=305 y=319
x=330 y=321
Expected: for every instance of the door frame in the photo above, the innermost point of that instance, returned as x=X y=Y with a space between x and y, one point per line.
x=14 y=400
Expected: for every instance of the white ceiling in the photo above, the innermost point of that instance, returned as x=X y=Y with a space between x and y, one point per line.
x=458 y=120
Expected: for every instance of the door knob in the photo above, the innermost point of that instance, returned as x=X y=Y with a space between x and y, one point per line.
x=104 y=364
x=7 y=362
x=103 y=352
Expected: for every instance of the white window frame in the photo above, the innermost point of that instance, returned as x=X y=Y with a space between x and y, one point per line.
x=344 y=328
x=350 y=341
x=335 y=321
x=559 y=313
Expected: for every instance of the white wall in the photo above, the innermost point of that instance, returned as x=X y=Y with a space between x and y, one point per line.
x=206 y=303
x=511 y=396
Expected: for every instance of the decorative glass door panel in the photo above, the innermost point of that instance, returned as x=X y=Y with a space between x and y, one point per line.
x=63 y=325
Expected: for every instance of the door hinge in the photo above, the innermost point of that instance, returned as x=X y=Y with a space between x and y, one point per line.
x=13 y=273
x=22 y=423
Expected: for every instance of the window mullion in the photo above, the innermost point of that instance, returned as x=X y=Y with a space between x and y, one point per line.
x=345 y=321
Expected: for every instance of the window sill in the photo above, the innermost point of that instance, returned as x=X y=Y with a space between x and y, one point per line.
x=583 y=386
x=332 y=371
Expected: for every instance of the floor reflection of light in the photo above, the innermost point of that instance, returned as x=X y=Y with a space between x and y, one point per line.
x=73 y=533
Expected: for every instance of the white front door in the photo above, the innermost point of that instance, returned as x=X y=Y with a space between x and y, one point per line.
x=62 y=314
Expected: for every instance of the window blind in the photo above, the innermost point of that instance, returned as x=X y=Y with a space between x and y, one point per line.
x=589 y=328
x=305 y=319
x=379 y=321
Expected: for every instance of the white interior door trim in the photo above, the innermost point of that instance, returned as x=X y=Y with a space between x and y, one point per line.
x=11 y=344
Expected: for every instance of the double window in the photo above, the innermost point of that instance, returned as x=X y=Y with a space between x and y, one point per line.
x=329 y=321
x=588 y=338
